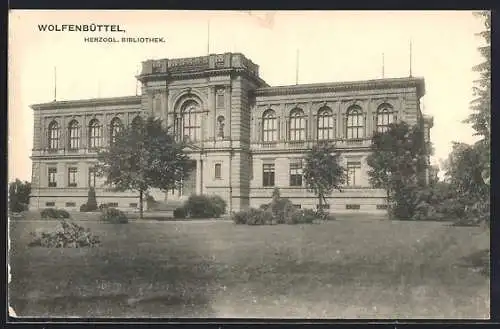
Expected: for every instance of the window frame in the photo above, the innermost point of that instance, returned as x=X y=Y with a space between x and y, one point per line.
x=54 y=135
x=327 y=119
x=268 y=174
x=218 y=170
x=269 y=126
x=191 y=128
x=297 y=126
x=296 y=173
x=353 y=168
x=355 y=123
x=73 y=173
x=95 y=134
x=116 y=126
x=384 y=117
x=52 y=177
x=74 y=135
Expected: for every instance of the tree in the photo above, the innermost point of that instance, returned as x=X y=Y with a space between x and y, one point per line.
x=142 y=157
x=323 y=172
x=480 y=118
x=464 y=172
x=19 y=195
x=398 y=164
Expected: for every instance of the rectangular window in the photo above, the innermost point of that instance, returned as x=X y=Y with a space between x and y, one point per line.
x=72 y=177
x=381 y=206
x=296 y=173
x=353 y=173
x=52 y=177
x=133 y=205
x=323 y=206
x=92 y=176
x=112 y=204
x=50 y=204
x=219 y=100
x=352 y=206
x=297 y=206
x=268 y=175
x=70 y=204
x=218 y=171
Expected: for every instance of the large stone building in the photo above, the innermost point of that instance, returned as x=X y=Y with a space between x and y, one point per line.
x=247 y=137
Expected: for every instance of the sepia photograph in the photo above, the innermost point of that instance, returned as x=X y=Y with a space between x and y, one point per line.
x=249 y=164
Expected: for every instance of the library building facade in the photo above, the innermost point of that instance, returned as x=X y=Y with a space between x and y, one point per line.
x=246 y=138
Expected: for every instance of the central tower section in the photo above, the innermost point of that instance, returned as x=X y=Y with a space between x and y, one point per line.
x=207 y=102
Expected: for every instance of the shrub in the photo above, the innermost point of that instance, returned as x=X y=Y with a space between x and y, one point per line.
x=253 y=217
x=66 y=235
x=202 y=206
x=113 y=215
x=303 y=216
x=180 y=212
x=264 y=206
x=219 y=205
x=84 y=208
x=91 y=200
x=54 y=213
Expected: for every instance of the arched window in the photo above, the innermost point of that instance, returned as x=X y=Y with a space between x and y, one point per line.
x=137 y=122
x=116 y=127
x=297 y=128
x=191 y=121
x=54 y=134
x=74 y=135
x=355 y=123
x=384 y=117
x=269 y=126
x=95 y=134
x=326 y=124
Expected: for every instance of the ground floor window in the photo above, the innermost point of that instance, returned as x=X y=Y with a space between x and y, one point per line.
x=268 y=174
x=72 y=176
x=52 y=177
x=296 y=173
x=353 y=173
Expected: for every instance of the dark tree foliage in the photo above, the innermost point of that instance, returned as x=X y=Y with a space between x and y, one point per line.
x=398 y=164
x=19 y=195
x=145 y=156
x=323 y=172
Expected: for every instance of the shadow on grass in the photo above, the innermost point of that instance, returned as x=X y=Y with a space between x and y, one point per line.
x=478 y=261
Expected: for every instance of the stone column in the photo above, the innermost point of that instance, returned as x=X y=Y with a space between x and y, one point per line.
x=83 y=132
x=228 y=119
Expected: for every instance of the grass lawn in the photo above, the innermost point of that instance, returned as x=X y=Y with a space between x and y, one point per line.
x=341 y=269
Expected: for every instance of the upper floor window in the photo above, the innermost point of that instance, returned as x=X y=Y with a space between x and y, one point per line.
x=355 y=123
x=191 y=121
x=95 y=134
x=219 y=98
x=297 y=125
x=54 y=134
x=384 y=117
x=116 y=127
x=326 y=124
x=269 y=126
x=74 y=135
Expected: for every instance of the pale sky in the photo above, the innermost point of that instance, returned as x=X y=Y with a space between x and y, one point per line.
x=334 y=46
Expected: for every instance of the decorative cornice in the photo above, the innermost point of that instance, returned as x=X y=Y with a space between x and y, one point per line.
x=419 y=83
x=125 y=100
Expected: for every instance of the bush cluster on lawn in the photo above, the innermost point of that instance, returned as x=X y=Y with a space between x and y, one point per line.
x=202 y=206
x=114 y=216
x=66 y=235
x=179 y=213
x=279 y=211
x=54 y=213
